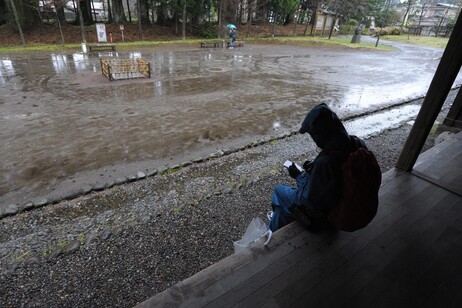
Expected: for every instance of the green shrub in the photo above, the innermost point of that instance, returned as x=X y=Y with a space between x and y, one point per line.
x=389 y=31
x=353 y=22
x=206 y=30
x=365 y=31
x=347 y=29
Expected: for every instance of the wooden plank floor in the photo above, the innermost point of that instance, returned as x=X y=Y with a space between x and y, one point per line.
x=409 y=256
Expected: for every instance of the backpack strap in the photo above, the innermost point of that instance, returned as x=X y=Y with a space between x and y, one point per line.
x=355 y=143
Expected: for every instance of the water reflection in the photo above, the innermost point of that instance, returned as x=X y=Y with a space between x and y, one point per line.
x=374 y=124
x=158 y=88
x=59 y=62
x=67 y=120
x=6 y=70
x=360 y=97
x=134 y=55
x=81 y=61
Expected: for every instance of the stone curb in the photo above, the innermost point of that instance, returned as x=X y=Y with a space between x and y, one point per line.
x=14 y=209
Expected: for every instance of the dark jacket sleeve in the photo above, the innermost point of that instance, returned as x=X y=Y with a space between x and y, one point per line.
x=321 y=188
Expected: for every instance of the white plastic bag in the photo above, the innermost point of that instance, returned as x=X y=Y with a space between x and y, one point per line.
x=255 y=231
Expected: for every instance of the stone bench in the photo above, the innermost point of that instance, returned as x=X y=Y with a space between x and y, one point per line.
x=105 y=47
x=237 y=44
x=215 y=44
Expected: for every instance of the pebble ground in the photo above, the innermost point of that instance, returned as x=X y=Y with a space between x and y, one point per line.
x=120 y=246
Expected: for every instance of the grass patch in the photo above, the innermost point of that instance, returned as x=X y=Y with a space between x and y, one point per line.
x=63 y=243
x=54 y=48
x=292 y=40
x=119 y=46
x=170 y=171
x=274 y=142
x=325 y=41
x=19 y=258
x=336 y=42
x=429 y=41
x=81 y=237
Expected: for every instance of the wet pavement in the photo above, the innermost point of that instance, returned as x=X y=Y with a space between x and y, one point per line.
x=64 y=126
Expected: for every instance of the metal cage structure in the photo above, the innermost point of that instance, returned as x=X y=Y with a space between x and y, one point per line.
x=121 y=69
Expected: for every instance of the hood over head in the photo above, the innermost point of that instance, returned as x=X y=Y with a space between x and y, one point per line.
x=325 y=128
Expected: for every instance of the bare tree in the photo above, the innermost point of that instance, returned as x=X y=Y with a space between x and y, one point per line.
x=18 y=23
x=410 y=3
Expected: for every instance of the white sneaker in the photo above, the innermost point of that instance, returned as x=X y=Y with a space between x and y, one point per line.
x=269 y=215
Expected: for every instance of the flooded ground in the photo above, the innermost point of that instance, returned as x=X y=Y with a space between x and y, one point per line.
x=64 y=126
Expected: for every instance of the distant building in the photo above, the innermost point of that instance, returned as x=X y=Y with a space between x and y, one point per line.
x=99 y=9
x=324 y=20
x=432 y=19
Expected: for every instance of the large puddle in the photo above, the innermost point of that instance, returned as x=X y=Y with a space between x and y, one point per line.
x=64 y=126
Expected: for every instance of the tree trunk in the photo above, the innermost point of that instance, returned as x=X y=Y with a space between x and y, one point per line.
x=60 y=29
x=85 y=11
x=27 y=14
x=144 y=11
x=406 y=14
x=261 y=11
x=197 y=11
x=249 y=18
x=332 y=26
x=18 y=22
x=295 y=23
x=241 y=12
x=183 y=17
x=82 y=28
x=60 y=14
x=315 y=21
x=177 y=26
x=307 y=23
x=275 y=15
x=129 y=13
x=440 y=23
x=140 y=31
x=220 y=9
x=118 y=12
x=110 y=18
x=422 y=12
x=93 y=11
x=3 y=12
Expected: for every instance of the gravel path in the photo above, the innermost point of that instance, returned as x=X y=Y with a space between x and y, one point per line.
x=118 y=247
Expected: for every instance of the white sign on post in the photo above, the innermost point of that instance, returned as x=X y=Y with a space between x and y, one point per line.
x=101 y=31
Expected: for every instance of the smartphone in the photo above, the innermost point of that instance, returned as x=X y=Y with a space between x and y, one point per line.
x=288 y=163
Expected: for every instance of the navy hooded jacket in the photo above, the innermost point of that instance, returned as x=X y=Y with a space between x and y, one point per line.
x=321 y=187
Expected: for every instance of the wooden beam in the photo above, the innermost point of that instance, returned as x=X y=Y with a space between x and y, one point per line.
x=454 y=117
x=440 y=86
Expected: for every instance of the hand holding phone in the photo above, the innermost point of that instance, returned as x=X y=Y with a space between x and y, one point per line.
x=288 y=163
x=294 y=169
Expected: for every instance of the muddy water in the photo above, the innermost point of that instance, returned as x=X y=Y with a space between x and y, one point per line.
x=64 y=126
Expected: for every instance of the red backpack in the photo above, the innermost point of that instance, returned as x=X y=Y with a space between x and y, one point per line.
x=359 y=200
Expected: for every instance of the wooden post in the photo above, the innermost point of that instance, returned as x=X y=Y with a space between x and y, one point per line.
x=454 y=117
x=440 y=86
x=324 y=23
x=315 y=23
